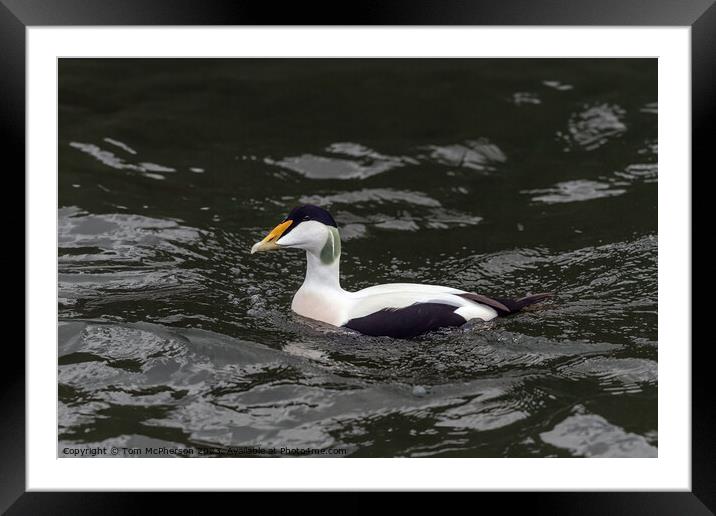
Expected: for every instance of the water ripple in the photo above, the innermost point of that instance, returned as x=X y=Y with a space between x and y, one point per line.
x=356 y=162
x=594 y=126
x=111 y=160
x=591 y=435
x=574 y=191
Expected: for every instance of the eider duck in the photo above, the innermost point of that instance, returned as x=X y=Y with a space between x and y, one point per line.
x=400 y=310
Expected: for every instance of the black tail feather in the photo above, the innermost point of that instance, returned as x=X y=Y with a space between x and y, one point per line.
x=515 y=305
x=506 y=306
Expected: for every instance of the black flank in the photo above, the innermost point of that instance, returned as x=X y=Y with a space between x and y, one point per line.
x=404 y=323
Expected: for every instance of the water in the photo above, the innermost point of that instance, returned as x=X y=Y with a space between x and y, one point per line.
x=497 y=176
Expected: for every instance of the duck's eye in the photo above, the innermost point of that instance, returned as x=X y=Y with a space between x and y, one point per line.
x=306 y=217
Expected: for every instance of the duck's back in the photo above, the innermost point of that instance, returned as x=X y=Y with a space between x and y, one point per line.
x=389 y=288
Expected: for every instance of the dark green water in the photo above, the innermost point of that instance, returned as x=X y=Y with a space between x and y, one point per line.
x=497 y=176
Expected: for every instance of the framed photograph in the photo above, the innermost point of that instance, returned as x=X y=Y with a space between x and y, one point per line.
x=479 y=219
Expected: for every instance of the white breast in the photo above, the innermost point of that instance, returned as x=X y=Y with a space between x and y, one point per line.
x=322 y=305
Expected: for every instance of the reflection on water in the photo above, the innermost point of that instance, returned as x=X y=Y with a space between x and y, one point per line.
x=593 y=127
x=111 y=160
x=347 y=161
x=501 y=177
x=472 y=154
x=572 y=191
x=590 y=435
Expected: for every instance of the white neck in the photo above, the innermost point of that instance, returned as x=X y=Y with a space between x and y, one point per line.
x=321 y=296
x=320 y=275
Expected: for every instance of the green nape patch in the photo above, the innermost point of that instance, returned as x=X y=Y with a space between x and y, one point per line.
x=332 y=248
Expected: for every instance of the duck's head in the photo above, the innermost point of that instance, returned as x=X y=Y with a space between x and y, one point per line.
x=307 y=227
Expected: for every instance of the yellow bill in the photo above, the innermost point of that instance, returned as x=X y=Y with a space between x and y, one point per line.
x=269 y=243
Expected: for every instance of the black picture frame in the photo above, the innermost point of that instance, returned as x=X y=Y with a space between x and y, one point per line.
x=17 y=15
